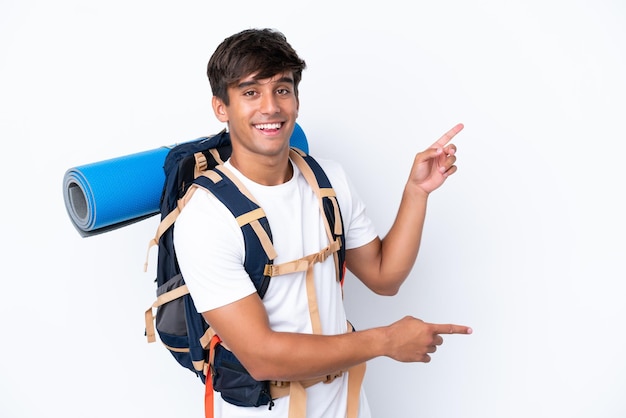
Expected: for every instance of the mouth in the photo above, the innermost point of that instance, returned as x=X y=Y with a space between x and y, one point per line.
x=269 y=126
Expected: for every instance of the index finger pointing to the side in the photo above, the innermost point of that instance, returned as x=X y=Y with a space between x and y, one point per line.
x=447 y=137
x=451 y=329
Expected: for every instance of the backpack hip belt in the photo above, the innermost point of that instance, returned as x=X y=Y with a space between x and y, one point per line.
x=297 y=390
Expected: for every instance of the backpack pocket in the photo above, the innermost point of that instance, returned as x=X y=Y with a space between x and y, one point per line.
x=180 y=328
x=235 y=384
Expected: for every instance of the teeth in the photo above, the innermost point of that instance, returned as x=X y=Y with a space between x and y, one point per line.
x=268 y=126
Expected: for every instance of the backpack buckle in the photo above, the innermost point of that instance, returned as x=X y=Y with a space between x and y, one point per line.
x=268 y=270
x=331 y=377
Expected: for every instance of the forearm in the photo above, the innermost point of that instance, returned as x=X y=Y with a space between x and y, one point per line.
x=285 y=356
x=289 y=356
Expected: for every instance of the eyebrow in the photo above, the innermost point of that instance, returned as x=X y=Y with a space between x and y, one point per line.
x=244 y=84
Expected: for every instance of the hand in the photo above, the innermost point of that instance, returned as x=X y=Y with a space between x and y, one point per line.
x=432 y=166
x=413 y=340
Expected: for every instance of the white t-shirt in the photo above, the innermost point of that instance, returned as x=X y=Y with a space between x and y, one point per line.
x=214 y=272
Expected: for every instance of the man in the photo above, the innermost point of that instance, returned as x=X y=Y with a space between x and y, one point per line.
x=254 y=77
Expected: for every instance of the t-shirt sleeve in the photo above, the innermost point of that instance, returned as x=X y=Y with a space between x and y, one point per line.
x=210 y=251
x=358 y=226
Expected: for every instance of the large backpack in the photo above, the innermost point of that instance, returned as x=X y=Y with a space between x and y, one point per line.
x=183 y=331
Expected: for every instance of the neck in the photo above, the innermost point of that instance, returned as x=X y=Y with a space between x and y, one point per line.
x=265 y=170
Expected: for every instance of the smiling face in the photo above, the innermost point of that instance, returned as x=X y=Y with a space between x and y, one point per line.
x=254 y=77
x=261 y=115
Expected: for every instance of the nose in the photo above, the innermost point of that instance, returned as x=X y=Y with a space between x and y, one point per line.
x=269 y=104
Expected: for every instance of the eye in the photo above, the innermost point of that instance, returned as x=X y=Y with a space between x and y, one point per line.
x=283 y=91
x=249 y=93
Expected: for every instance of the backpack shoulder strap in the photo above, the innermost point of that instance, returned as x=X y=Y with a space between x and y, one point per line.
x=319 y=182
x=250 y=217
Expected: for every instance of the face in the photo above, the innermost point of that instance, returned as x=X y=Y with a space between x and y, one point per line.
x=261 y=115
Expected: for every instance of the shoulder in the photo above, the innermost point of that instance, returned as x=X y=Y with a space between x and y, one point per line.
x=334 y=170
x=203 y=214
x=202 y=204
x=340 y=182
x=328 y=164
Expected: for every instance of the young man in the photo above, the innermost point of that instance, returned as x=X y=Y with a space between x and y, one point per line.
x=254 y=76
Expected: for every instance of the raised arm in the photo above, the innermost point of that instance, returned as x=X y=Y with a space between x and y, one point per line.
x=383 y=265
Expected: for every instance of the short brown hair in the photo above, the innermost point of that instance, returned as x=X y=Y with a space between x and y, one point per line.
x=263 y=52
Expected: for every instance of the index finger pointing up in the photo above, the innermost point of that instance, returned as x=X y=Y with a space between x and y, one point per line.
x=447 y=137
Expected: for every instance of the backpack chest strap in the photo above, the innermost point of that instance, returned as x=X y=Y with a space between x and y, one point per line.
x=306 y=264
x=302 y=264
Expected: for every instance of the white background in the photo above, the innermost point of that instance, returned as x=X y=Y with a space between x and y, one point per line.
x=525 y=243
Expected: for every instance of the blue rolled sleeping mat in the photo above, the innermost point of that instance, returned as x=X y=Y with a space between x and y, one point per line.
x=110 y=194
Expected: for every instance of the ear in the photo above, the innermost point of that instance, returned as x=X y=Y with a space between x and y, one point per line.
x=219 y=108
